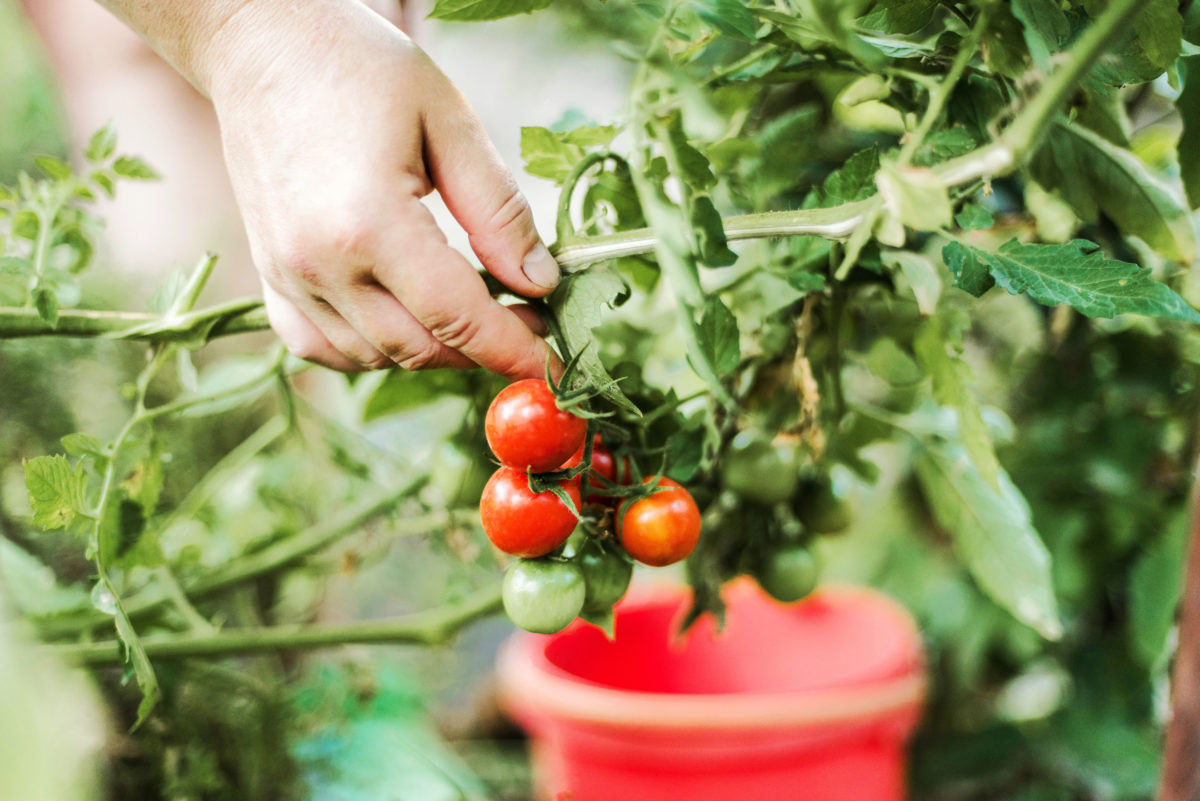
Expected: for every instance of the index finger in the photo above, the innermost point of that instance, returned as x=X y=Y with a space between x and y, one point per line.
x=445 y=293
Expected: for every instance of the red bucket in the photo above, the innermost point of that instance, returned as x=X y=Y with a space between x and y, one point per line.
x=811 y=701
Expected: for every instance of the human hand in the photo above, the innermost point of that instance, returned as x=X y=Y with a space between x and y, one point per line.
x=334 y=126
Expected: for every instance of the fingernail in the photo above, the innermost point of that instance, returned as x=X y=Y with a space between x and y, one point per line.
x=541 y=268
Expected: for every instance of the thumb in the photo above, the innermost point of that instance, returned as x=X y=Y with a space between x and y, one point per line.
x=483 y=196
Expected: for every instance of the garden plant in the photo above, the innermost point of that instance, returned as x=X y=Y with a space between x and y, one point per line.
x=890 y=291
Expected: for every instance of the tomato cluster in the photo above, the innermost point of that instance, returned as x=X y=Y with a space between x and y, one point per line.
x=543 y=493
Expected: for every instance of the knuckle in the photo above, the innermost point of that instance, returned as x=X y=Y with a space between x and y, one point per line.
x=422 y=357
x=346 y=236
x=512 y=212
x=455 y=329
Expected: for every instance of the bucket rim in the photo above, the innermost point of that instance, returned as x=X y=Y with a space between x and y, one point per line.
x=532 y=686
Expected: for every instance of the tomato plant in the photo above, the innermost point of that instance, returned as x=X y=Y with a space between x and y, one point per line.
x=918 y=273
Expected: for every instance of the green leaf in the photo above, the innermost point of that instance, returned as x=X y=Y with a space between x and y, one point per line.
x=105 y=598
x=1155 y=584
x=899 y=16
x=547 y=155
x=31 y=585
x=806 y=281
x=56 y=491
x=1076 y=273
x=915 y=195
x=943 y=145
x=853 y=181
x=711 y=244
x=695 y=170
x=886 y=360
x=45 y=301
x=1159 y=30
x=124 y=540
x=144 y=482
x=589 y=135
x=970 y=272
x=921 y=275
x=103 y=180
x=993 y=534
x=1095 y=176
x=474 y=10
x=1188 y=106
x=730 y=17
x=973 y=217
x=937 y=347
x=1045 y=26
x=134 y=168
x=402 y=390
x=80 y=445
x=15 y=265
x=102 y=144
x=719 y=336
x=57 y=169
x=26 y=225
x=577 y=305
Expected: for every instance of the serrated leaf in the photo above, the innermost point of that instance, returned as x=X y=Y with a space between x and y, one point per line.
x=730 y=17
x=1094 y=176
x=899 y=16
x=943 y=145
x=973 y=217
x=694 y=168
x=105 y=598
x=577 y=305
x=711 y=245
x=1076 y=273
x=83 y=445
x=134 y=168
x=1159 y=30
x=403 y=390
x=853 y=181
x=547 y=155
x=57 y=169
x=915 y=195
x=993 y=534
x=102 y=144
x=718 y=336
x=124 y=540
x=936 y=348
x=1155 y=584
x=970 y=272
x=590 y=135
x=474 y=10
x=1045 y=28
x=56 y=491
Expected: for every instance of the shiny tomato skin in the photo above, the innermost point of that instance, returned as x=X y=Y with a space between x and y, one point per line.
x=603 y=464
x=661 y=529
x=543 y=595
x=527 y=431
x=522 y=523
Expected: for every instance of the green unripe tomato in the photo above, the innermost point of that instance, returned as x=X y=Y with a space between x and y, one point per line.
x=759 y=470
x=606 y=575
x=543 y=595
x=822 y=510
x=789 y=574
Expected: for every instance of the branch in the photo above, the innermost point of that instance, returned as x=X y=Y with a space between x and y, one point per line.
x=431 y=627
x=21 y=322
x=275 y=557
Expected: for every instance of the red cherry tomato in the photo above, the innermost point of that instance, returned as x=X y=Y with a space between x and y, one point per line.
x=603 y=464
x=661 y=529
x=523 y=523
x=527 y=431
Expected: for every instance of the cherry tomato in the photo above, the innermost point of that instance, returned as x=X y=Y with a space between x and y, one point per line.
x=661 y=529
x=543 y=595
x=526 y=430
x=607 y=575
x=821 y=509
x=521 y=522
x=603 y=464
x=789 y=574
